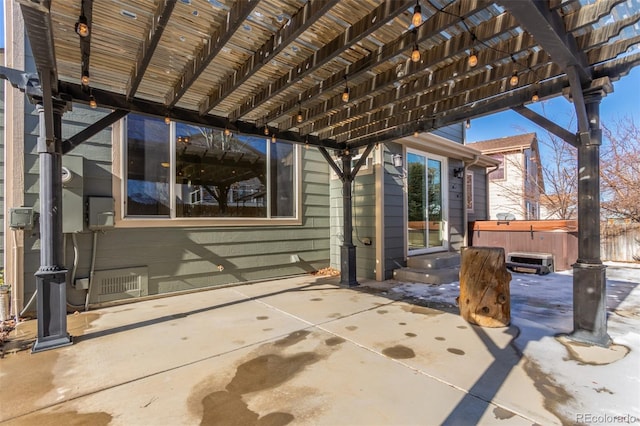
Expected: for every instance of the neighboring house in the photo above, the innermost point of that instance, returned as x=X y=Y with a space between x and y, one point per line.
x=516 y=186
x=554 y=206
x=194 y=207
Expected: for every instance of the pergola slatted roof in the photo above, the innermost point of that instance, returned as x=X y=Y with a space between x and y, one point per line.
x=246 y=64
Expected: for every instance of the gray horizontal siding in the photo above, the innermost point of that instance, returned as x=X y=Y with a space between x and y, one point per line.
x=184 y=258
x=454 y=132
x=394 y=225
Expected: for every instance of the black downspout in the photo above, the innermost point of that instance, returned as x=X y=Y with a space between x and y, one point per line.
x=51 y=278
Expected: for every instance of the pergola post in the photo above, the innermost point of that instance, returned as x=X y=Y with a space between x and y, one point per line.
x=347 y=250
x=51 y=285
x=589 y=278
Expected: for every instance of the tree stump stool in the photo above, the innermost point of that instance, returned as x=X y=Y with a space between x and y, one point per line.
x=484 y=287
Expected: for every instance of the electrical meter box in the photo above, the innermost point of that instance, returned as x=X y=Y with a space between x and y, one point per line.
x=72 y=194
x=101 y=213
x=21 y=218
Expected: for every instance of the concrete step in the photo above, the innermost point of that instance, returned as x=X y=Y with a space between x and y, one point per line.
x=434 y=260
x=428 y=276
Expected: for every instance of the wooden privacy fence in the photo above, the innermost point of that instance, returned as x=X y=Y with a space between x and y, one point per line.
x=620 y=241
x=558 y=237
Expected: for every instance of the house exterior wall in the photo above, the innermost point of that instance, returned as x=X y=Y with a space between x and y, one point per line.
x=393 y=223
x=389 y=210
x=519 y=192
x=184 y=258
x=506 y=195
x=178 y=258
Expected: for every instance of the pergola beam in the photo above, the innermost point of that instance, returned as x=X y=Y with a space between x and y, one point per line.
x=488 y=105
x=37 y=19
x=300 y=22
x=548 y=28
x=388 y=105
x=234 y=19
x=150 y=43
x=440 y=21
x=375 y=19
x=92 y=130
x=107 y=99
x=444 y=51
x=546 y=124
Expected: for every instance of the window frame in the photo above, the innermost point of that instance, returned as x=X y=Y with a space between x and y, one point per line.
x=119 y=188
x=502 y=167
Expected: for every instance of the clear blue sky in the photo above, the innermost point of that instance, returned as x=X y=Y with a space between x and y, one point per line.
x=625 y=100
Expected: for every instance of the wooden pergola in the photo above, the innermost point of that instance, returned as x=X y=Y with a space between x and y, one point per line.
x=335 y=74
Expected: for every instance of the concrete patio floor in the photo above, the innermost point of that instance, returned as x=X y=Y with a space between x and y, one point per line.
x=292 y=351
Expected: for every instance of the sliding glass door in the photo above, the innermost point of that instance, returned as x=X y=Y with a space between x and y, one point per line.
x=426 y=207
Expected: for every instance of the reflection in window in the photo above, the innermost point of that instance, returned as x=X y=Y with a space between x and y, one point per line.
x=282 y=180
x=147 y=167
x=219 y=175
x=216 y=175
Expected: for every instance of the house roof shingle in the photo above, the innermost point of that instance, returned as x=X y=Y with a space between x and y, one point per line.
x=506 y=144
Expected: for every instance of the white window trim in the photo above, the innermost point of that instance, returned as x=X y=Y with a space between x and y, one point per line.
x=118 y=170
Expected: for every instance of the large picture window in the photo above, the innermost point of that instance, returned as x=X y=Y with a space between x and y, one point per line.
x=185 y=171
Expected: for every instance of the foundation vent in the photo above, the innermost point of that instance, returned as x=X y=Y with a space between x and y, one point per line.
x=117 y=284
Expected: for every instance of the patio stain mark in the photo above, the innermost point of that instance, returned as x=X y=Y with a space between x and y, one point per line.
x=66 y=418
x=402 y=323
x=335 y=315
x=586 y=354
x=410 y=334
x=440 y=338
x=462 y=327
x=333 y=341
x=422 y=310
x=399 y=352
x=224 y=408
x=260 y=373
x=554 y=395
x=456 y=351
x=293 y=338
x=502 y=414
x=316 y=299
x=351 y=327
x=268 y=371
x=31 y=377
x=262 y=317
x=382 y=311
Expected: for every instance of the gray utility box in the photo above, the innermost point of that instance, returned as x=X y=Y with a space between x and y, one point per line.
x=101 y=212
x=530 y=263
x=21 y=218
